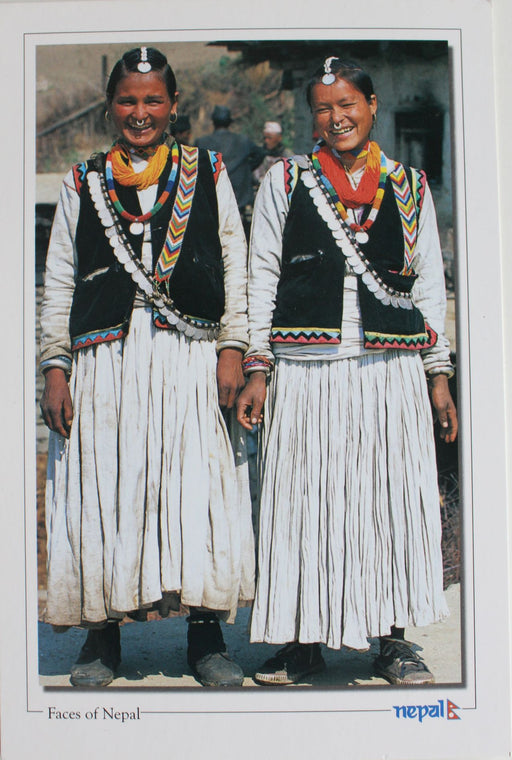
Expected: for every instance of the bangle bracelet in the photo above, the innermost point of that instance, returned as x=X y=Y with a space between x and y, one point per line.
x=256 y=364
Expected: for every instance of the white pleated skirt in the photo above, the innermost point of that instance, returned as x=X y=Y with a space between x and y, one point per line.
x=349 y=529
x=148 y=501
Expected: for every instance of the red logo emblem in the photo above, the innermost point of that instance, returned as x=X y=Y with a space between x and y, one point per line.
x=451 y=714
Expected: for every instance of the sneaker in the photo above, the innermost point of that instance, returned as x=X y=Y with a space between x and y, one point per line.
x=207 y=655
x=398 y=663
x=290 y=664
x=99 y=657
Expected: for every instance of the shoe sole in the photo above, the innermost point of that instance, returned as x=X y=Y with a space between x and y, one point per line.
x=216 y=685
x=274 y=679
x=402 y=681
x=91 y=683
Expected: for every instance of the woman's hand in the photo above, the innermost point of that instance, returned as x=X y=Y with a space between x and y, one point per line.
x=230 y=377
x=250 y=402
x=444 y=407
x=56 y=405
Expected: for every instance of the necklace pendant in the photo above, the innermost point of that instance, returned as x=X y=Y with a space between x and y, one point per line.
x=362 y=236
x=136 y=228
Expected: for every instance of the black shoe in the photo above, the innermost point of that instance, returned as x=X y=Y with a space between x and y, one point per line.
x=218 y=669
x=290 y=664
x=399 y=664
x=207 y=655
x=99 y=657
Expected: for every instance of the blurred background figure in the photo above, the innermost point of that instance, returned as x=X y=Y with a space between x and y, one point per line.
x=241 y=156
x=274 y=149
x=181 y=130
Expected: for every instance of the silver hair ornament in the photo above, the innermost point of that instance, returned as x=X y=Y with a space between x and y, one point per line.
x=329 y=77
x=144 y=65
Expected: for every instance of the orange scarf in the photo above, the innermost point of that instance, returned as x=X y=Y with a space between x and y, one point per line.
x=365 y=192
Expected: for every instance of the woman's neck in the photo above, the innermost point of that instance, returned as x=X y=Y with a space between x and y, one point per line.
x=353 y=160
x=351 y=163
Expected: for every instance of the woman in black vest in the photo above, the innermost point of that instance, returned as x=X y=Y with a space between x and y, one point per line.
x=346 y=315
x=144 y=328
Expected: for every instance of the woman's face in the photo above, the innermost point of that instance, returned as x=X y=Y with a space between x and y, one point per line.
x=342 y=115
x=141 y=108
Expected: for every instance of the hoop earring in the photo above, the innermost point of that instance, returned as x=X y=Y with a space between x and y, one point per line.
x=374 y=119
x=107 y=116
x=171 y=120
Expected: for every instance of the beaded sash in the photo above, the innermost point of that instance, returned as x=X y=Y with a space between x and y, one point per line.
x=180 y=214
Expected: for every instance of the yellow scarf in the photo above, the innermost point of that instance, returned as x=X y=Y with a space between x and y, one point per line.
x=123 y=171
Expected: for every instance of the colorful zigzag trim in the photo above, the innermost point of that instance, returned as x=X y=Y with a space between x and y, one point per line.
x=419 y=182
x=304 y=335
x=413 y=342
x=79 y=171
x=180 y=214
x=216 y=162
x=291 y=175
x=98 y=336
x=407 y=209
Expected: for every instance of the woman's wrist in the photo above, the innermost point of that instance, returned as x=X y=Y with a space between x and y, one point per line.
x=438 y=380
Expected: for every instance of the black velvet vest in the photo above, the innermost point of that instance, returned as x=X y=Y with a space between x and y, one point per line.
x=309 y=299
x=104 y=291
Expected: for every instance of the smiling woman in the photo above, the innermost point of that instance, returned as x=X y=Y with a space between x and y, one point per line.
x=142 y=102
x=141 y=109
x=143 y=330
x=346 y=315
x=343 y=117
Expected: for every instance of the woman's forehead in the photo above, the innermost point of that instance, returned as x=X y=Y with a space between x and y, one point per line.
x=135 y=82
x=340 y=89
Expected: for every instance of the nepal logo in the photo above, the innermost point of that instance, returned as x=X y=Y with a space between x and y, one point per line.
x=441 y=709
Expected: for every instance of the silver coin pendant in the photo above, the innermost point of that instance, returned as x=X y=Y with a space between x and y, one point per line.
x=362 y=236
x=136 y=228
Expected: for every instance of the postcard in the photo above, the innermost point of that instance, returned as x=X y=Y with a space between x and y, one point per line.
x=434 y=69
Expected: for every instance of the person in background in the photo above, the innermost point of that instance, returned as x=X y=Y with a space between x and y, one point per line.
x=240 y=155
x=274 y=149
x=346 y=325
x=143 y=329
x=181 y=130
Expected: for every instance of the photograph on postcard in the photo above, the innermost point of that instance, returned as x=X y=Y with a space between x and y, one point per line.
x=314 y=441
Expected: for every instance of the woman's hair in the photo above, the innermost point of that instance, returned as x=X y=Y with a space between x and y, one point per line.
x=348 y=70
x=142 y=59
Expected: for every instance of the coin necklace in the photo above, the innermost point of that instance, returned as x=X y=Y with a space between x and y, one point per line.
x=137 y=222
x=360 y=231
